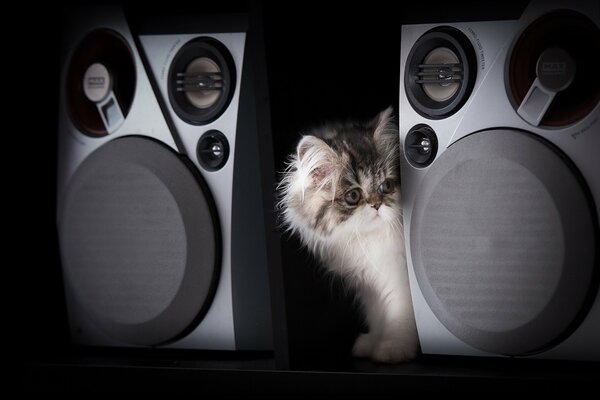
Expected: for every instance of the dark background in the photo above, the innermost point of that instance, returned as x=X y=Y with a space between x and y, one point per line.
x=322 y=64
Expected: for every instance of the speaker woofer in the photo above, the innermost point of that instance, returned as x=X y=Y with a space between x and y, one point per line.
x=107 y=50
x=140 y=242
x=558 y=32
x=503 y=242
x=201 y=81
x=440 y=73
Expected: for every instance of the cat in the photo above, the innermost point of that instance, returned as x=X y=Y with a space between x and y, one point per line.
x=340 y=193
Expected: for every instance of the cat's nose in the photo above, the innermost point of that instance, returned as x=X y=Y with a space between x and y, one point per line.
x=376 y=205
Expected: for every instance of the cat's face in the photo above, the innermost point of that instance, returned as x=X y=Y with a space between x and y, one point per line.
x=345 y=179
x=367 y=197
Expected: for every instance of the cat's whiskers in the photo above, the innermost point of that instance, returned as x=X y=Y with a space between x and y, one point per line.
x=395 y=224
x=346 y=247
x=365 y=253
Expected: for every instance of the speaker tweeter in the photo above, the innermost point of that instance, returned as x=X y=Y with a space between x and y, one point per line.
x=440 y=73
x=201 y=81
x=421 y=145
x=213 y=150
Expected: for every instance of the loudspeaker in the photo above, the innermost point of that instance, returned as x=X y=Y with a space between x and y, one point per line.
x=499 y=128
x=160 y=208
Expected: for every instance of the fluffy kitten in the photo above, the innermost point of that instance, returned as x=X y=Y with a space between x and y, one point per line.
x=341 y=195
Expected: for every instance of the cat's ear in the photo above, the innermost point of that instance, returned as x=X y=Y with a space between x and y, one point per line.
x=385 y=130
x=316 y=159
x=383 y=122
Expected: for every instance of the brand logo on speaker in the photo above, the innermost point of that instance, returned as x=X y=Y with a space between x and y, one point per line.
x=554 y=67
x=96 y=81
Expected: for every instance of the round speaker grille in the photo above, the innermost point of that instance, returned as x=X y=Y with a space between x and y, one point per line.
x=503 y=242
x=139 y=242
x=201 y=80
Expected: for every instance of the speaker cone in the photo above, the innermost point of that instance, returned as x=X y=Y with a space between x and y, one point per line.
x=440 y=73
x=140 y=242
x=444 y=80
x=201 y=81
x=204 y=87
x=101 y=64
x=561 y=44
x=503 y=242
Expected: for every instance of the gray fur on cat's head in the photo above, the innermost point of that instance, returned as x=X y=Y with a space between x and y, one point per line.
x=343 y=177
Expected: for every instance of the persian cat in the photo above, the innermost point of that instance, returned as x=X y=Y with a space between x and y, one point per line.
x=340 y=194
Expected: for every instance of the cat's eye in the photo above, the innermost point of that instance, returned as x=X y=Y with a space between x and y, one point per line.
x=386 y=187
x=352 y=197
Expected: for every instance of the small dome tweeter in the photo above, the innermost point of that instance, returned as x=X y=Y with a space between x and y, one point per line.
x=421 y=146
x=213 y=150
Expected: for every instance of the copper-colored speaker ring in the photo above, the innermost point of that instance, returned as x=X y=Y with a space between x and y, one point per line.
x=580 y=38
x=111 y=50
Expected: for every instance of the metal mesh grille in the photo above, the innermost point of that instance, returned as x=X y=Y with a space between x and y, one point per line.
x=126 y=242
x=138 y=242
x=496 y=258
x=503 y=242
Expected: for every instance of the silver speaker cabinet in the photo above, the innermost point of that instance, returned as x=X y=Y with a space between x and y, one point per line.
x=160 y=214
x=500 y=131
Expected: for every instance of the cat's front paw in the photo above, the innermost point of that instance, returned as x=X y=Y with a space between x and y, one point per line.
x=385 y=350
x=395 y=350
x=363 y=346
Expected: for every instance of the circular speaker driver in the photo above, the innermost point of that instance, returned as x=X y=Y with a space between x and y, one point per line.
x=203 y=99
x=440 y=72
x=201 y=80
x=574 y=34
x=441 y=92
x=140 y=242
x=503 y=243
x=110 y=50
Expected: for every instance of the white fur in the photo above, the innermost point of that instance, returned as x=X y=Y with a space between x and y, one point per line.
x=313 y=153
x=368 y=251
